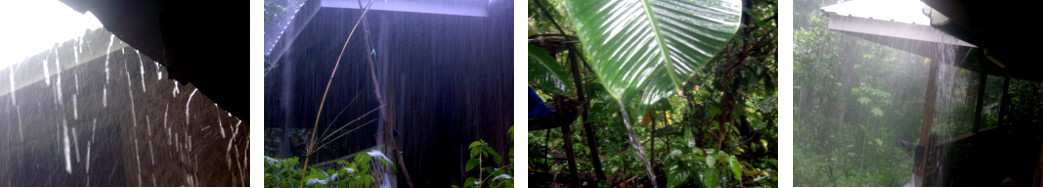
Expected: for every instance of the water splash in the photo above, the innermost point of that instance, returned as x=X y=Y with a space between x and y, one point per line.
x=176 y=90
x=159 y=73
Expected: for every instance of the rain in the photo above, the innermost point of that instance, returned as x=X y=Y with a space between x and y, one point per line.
x=417 y=83
x=44 y=116
x=886 y=94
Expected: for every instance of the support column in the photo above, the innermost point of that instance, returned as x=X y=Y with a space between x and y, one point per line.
x=980 y=100
x=591 y=136
x=928 y=120
x=1005 y=100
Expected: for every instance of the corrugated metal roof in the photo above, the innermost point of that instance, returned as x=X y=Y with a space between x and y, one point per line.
x=904 y=11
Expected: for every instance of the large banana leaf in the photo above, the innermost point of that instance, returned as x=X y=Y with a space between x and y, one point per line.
x=547 y=73
x=643 y=50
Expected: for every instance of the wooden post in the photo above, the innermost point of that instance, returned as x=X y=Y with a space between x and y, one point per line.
x=566 y=132
x=928 y=120
x=389 y=126
x=981 y=99
x=1005 y=100
x=592 y=141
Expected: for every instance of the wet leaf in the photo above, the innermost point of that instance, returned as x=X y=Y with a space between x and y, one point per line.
x=548 y=73
x=643 y=51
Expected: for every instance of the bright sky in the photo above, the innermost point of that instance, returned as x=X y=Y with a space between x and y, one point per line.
x=905 y=11
x=33 y=26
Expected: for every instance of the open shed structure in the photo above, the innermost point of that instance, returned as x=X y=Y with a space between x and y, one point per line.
x=441 y=69
x=979 y=37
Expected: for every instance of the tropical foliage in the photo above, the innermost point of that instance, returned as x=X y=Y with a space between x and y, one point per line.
x=499 y=175
x=696 y=80
x=856 y=101
x=356 y=173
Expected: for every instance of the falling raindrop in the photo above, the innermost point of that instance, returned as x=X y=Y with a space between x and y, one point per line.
x=75 y=109
x=176 y=90
x=133 y=112
x=46 y=73
x=159 y=73
x=68 y=163
x=187 y=103
x=141 y=67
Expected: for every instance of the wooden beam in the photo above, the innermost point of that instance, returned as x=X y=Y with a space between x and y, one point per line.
x=566 y=134
x=928 y=120
x=1005 y=100
x=981 y=99
x=588 y=130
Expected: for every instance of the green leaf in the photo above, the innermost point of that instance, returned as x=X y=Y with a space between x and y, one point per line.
x=644 y=50
x=709 y=177
x=710 y=161
x=496 y=156
x=471 y=163
x=475 y=151
x=677 y=173
x=471 y=182
x=712 y=111
x=736 y=168
x=878 y=112
x=550 y=74
x=864 y=100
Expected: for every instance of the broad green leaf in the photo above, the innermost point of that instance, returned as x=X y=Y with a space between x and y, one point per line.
x=471 y=163
x=548 y=73
x=676 y=178
x=475 y=151
x=711 y=161
x=709 y=177
x=864 y=100
x=736 y=167
x=496 y=156
x=644 y=50
x=878 y=112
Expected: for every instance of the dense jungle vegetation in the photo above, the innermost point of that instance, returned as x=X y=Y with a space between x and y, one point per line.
x=856 y=101
x=684 y=89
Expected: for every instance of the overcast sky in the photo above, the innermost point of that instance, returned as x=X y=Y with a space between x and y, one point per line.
x=28 y=27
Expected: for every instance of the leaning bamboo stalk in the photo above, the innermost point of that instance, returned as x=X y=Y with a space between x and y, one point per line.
x=311 y=143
